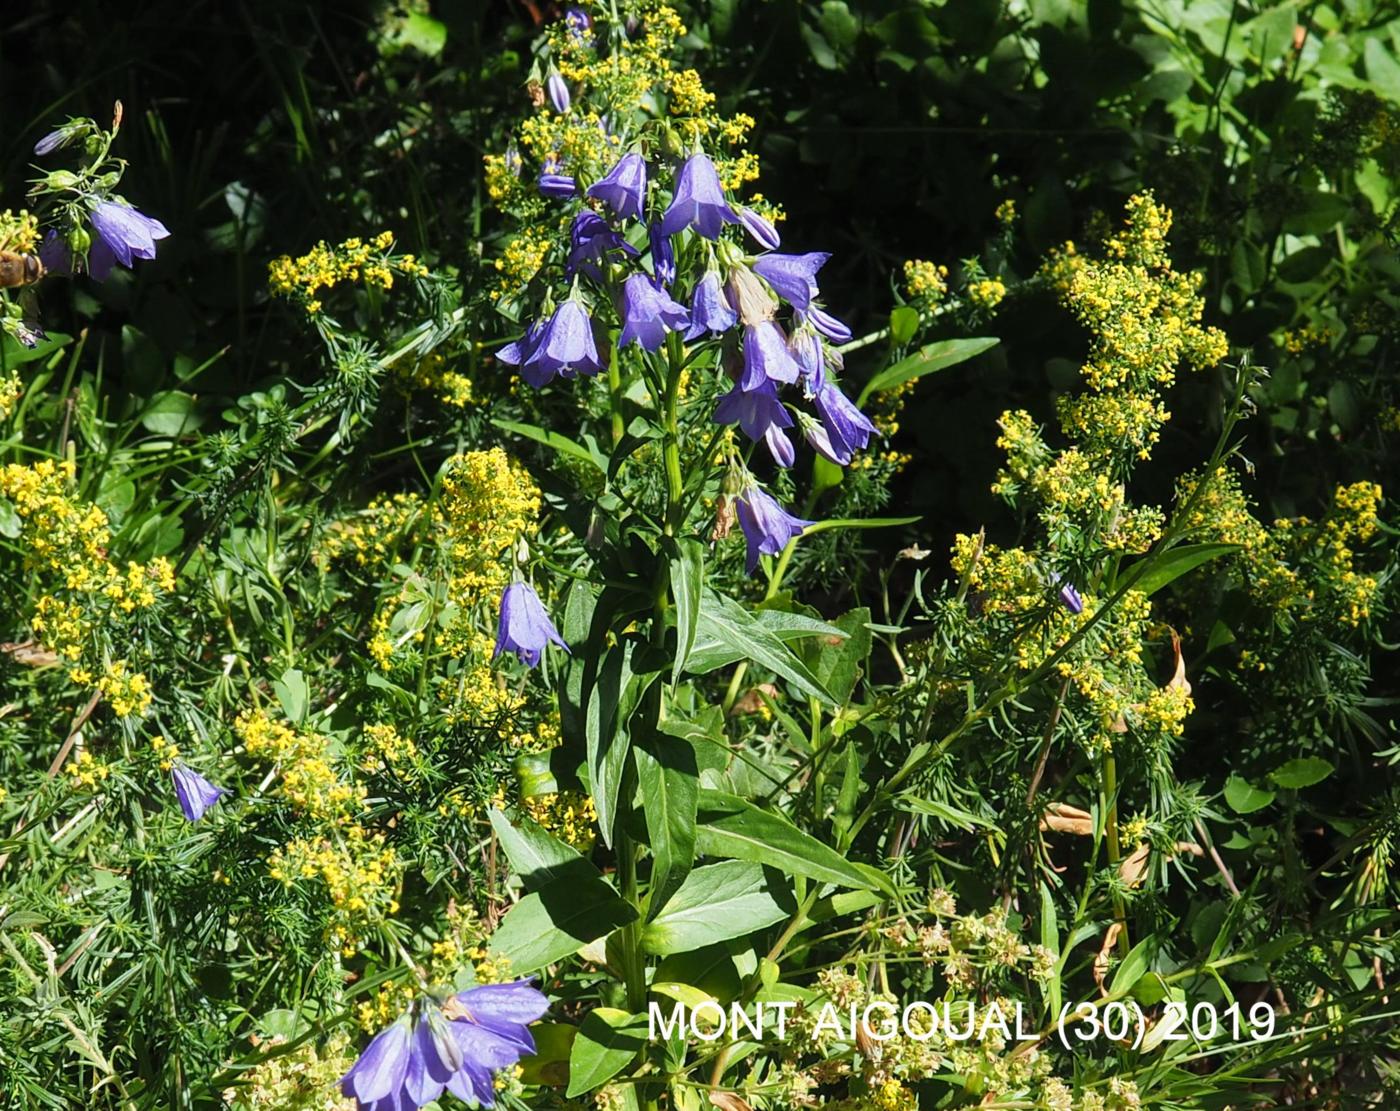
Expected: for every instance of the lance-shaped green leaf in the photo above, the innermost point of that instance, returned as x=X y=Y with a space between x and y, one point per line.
x=728 y=826
x=551 y=439
x=669 y=779
x=687 y=578
x=608 y=702
x=728 y=632
x=538 y=857
x=1177 y=562
x=928 y=359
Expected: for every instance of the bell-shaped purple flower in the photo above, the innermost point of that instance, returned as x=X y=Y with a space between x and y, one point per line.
x=435 y=1045
x=648 y=313
x=123 y=235
x=558 y=91
x=761 y=415
x=565 y=345
x=524 y=627
x=60 y=137
x=624 y=190
x=807 y=349
x=766 y=356
x=196 y=794
x=380 y=1070
x=710 y=310
x=793 y=277
x=557 y=187
x=835 y=330
x=591 y=239
x=767 y=525
x=698 y=201
x=663 y=256
x=491 y=1025
x=761 y=229
x=520 y=350
x=1070 y=599
x=850 y=429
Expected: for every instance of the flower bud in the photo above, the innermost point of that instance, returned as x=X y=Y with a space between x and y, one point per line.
x=79 y=240
x=60 y=179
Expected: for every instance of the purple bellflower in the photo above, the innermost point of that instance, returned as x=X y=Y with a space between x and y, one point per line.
x=524 y=627
x=557 y=187
x=520 y=350
x=761 y=415
x=1070 y=599
x=811 y=360
x=767 y=525
x=624 y=190
x=793 y=277
x=848 y=428
x=123 y=235
x=648 y=313
x=558 y=92
x=663 y=256
x=709 y=309
x=766 y=356
x=835 y=330
x=592 y=238
x=380 y=1070
x=698 y=201
x=761 y=229
x=565 y=345
x=196 y=794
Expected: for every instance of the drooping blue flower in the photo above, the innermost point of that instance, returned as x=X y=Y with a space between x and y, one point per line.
x=793 y=277
x=380 y=1070
x=835 y=330
x=520 y=350
x=491 y=1025
x=123 y=235
x=811 y=359
x=565 y=345
x=815 y=433
x=761 y=415
x=524 y=627
x=850 y=429
x=648 y=313
x=591 y=239
x=1070 y=599
x=761 y=229
x=558 y=92
x=710 y=310
x=663 y=256
x=767 y=525
x=60 y=137
x=196 y=794
x=557 y=187
x=698 y=201
x=766 y=356
x=624 y=189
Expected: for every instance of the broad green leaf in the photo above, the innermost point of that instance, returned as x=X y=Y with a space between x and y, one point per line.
x=538 y=857
x=1177 y=562
x=733 y=828
x=608 y=704
x=607 y=1040
x=669 y=780
x=836 y=661
x=904 y=322
x=552 y=439
x=558 y=920
x=170 y=413
x=687 y=577
x=715 y=903
x=549 y=1064
x=726 y=632
x=928 y=359
x=293 y=694
x=1383 y=70
x=10 y=523
x=1244 y=798
x=1302 y=772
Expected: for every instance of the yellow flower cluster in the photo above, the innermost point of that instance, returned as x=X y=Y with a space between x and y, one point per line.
x=689 y=97
x=523 y=257
x=85 y=771
x=309 y=779
x=67 y=542
x=431 y=373
x=1299 y=564
x=924 y=280
x=361 y=875
x=305 y=1079
x=322 y=268
x=987 y=293
x=384 y=747
x=569 y=815
x=488 y=503
x=374 y=537
x=11 y=390
x=19 y=231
